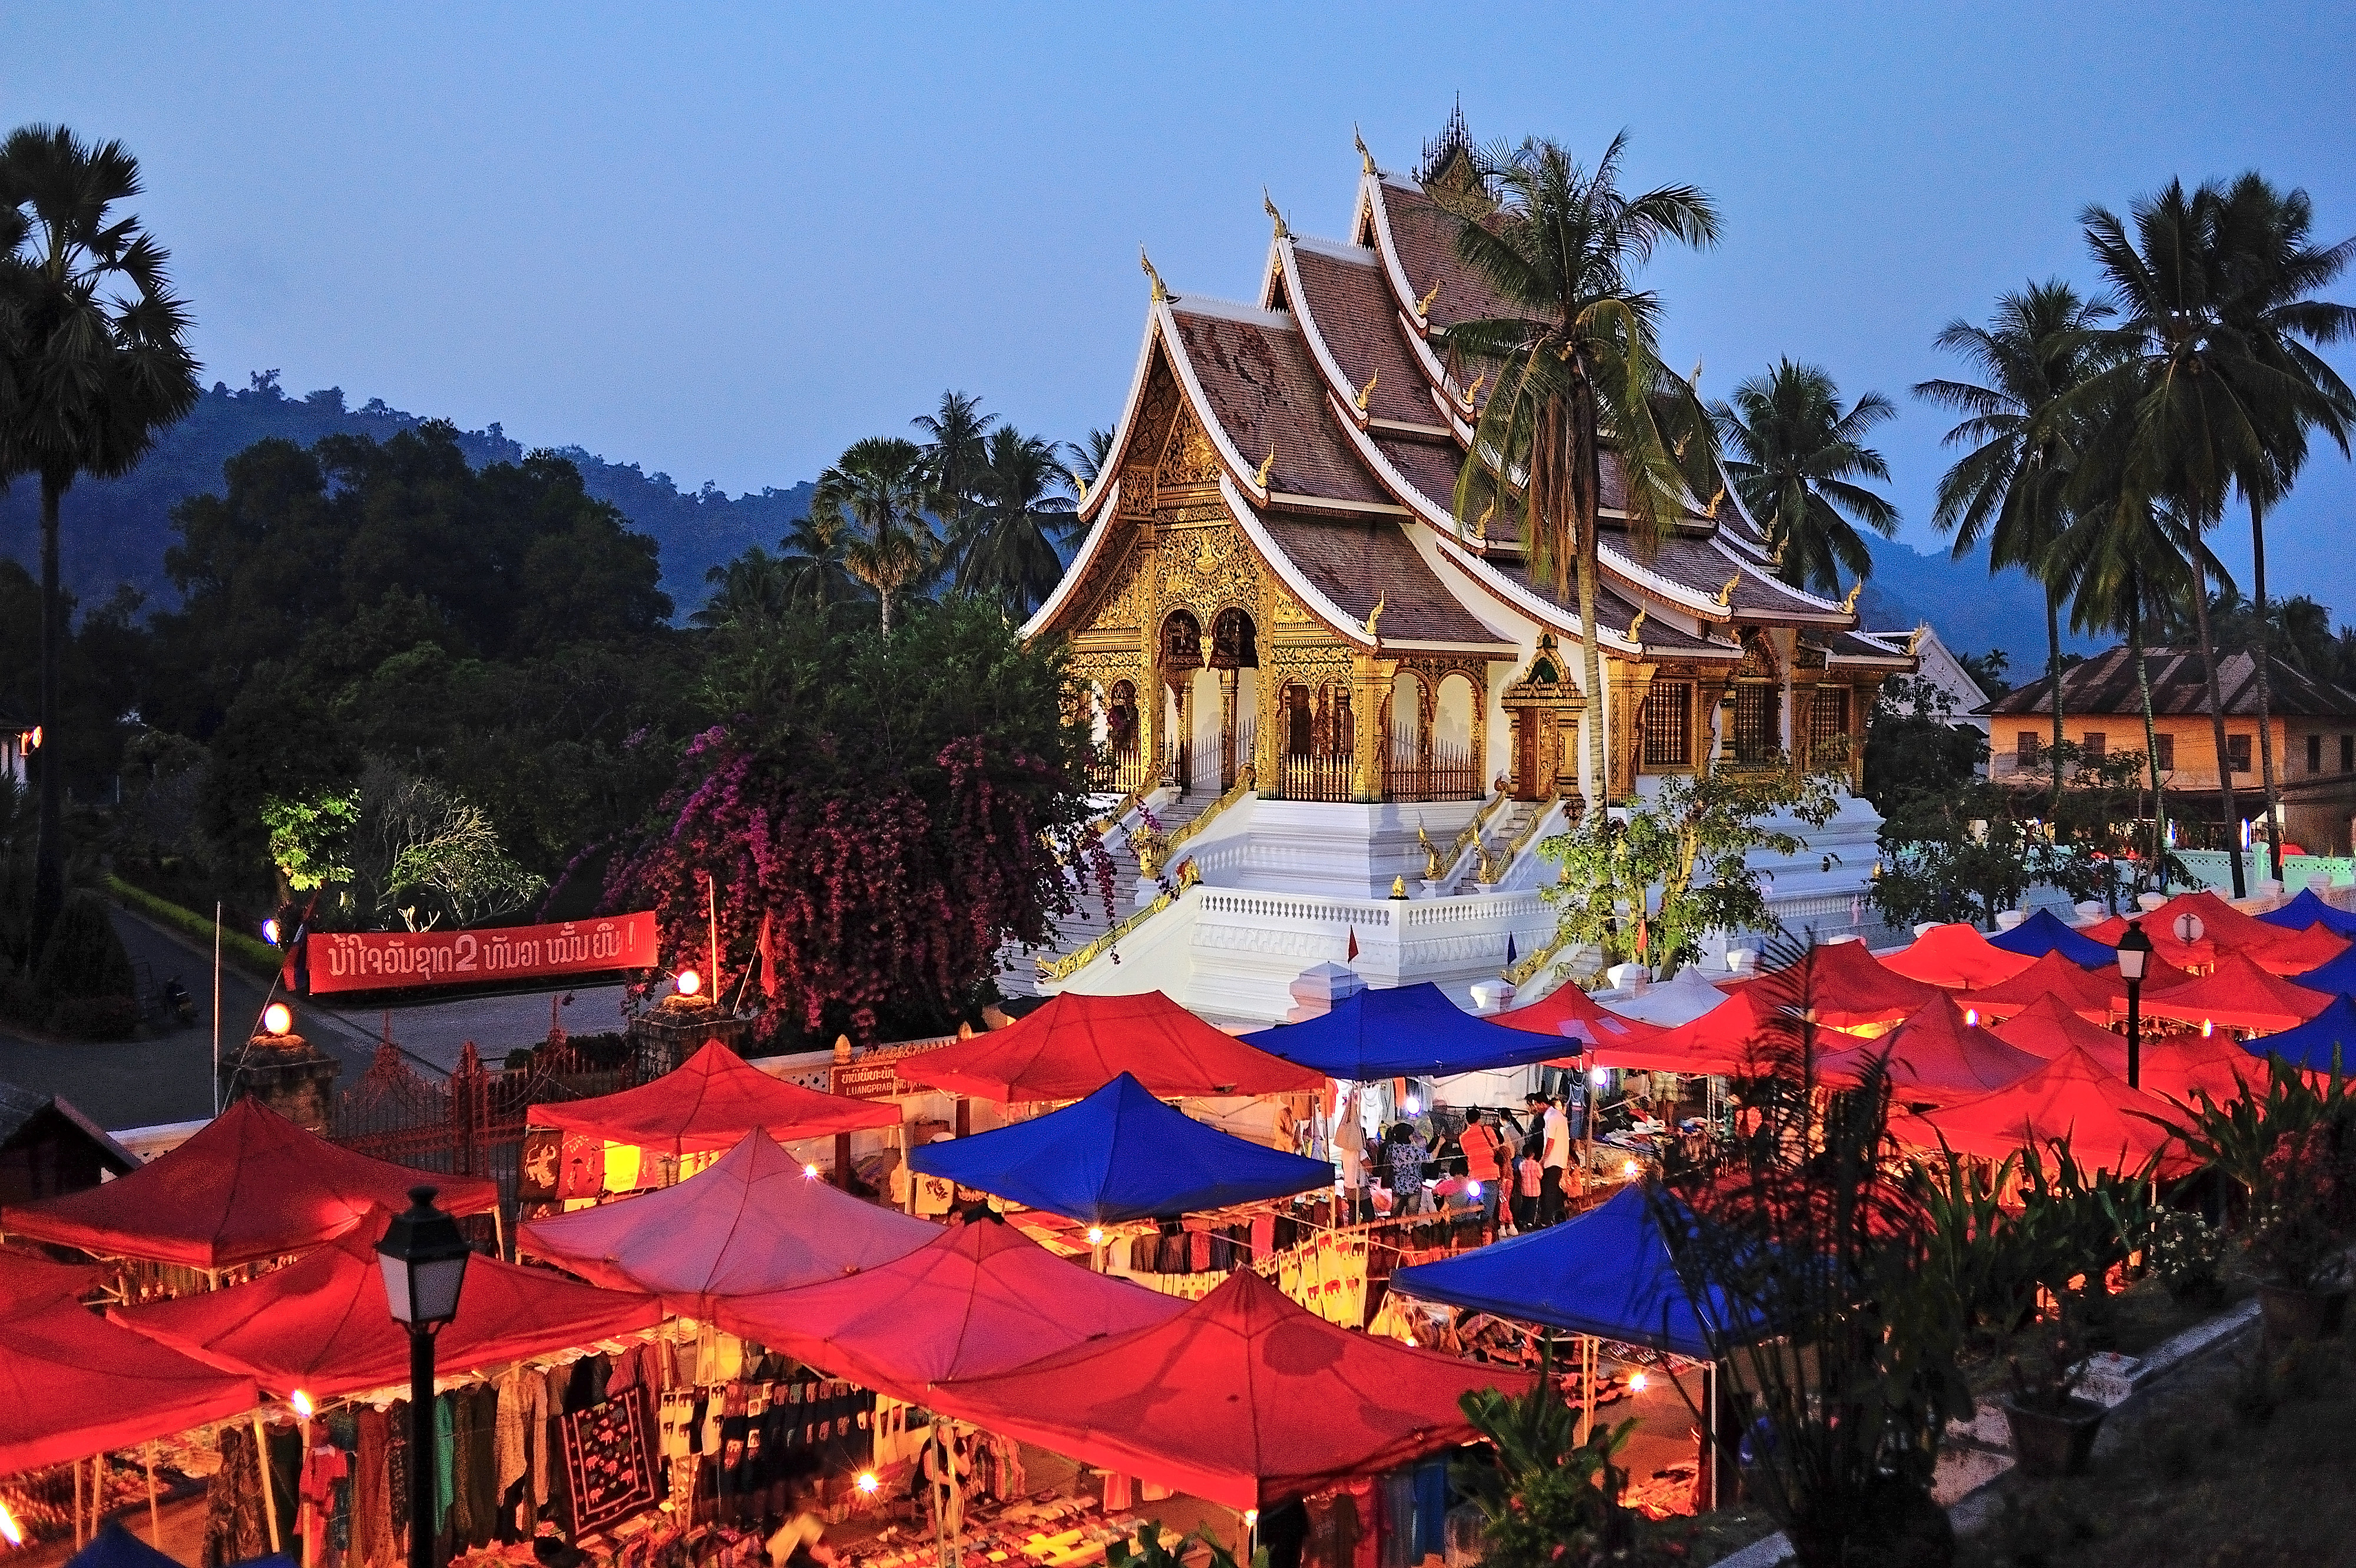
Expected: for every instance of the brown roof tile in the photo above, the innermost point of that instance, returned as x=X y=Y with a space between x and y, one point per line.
x=1423 y=236
x=1356 y=315
x=2107 y=684
x=1355 y=563
x=1265 y=391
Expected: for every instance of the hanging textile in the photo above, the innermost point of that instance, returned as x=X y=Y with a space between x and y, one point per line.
x=235 y=1531
x=609 y=1462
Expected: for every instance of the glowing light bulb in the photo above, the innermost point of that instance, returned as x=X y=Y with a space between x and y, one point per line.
x=1471 y=1190
x=1595 y=1075
x=270 y=933
x=1970 y=1018
x=301 y=1403
x=1096 y=1235
x=1251 y=1517
x=809 y=1173
x=1636 y=1382
x=2208 y=1028
x=868 y=1482
x=1410 y=1105
x=1628 y=1171
x=277 y=1018
x=8 y=1531
x=688 y=983
x=1410 y=1341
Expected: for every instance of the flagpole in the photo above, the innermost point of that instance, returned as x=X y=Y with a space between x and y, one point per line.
x=217 y=1001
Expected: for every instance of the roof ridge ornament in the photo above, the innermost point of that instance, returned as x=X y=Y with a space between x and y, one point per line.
x=1372 y=616
x=1473 y=393
x=1366 y=158
x=1726 y=594
x=1080 y=483
x=1848 y=605
x=1368 y=390
x=1160 y=295
x=1259 y=480
x=1423 y=306
x=1282 y=231
x=1914 y=641
x=1636 y=626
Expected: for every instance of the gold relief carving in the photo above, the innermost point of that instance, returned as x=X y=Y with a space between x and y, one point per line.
x=1187 y=456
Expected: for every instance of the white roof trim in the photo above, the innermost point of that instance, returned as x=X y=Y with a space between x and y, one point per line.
x=1337 y=385
x=1826 y=606
x=1355 y=255
x=1403 y=295
x=1289 y=575
x=1185 y=367
x=1543 y=611
x=1231 y=310
x=1045 y=615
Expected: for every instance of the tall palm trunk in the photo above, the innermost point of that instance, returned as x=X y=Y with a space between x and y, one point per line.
x=2266 y=691
x=2217 y=725
x=886 y=599
x=49 y=844
x=2053 y=675
x=2151 y=734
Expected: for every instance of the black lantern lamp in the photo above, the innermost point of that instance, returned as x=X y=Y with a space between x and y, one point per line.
x=2135 y=954
x=423 y=1256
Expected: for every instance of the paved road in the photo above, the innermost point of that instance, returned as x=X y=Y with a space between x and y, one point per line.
x=169 y=1076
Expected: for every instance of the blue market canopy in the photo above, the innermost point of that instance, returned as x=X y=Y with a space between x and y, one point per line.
x=1400 y=1032
x=2336 y=978
x=2305 y=910
x=2044 y=932
x=1606 y=1272
x=1119 y=1154
x=115 y=1547
x=2311 y=1044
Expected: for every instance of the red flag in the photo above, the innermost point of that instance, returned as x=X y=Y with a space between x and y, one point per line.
x=768 y=951
x=1353 y=945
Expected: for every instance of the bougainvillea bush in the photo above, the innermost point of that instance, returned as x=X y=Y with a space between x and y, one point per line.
x=880 y=815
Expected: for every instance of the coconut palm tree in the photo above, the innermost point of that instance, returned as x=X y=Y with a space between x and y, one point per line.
x=749 y=588
x=2200 y=410
x=877 y=496
x=955 y=452
x=1575 y=368
x=817 y=577
x=99 y=366
x=1793 y=456
x=2008 y=489
x=1089 y=458
x=2271 y=274
x=1010 y=548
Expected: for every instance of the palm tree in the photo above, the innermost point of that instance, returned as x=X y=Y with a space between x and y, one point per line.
x=817 y=576
x=99 y=367
x=877 y=494
x=2008 y=489
x=954 y=452
x=2271 y=272
x=1575 y=368
x=1796 y=455
x=1010 y=549
x=752 y=587
x=1089 y=457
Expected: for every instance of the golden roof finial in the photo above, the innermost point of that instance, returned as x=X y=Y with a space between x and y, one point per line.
x=1368 y=390
x=1481 y=527
x=1473 y=393
x=1269 y=203
x=1726 y=594
x=1080 y=483
x=1714 y=502
x=1848 y=605
x=1366 y=158
x=1914 y=643
x=1636 y=626
x=1160 y=294
x=1694 y=380
x=1260 y=479
x=1373 y=616
x=1423 y=306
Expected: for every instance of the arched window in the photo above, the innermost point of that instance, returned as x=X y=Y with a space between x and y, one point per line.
x=1234 y=645
x=1182 y=642
x=1121 y=719
x=1300 y=722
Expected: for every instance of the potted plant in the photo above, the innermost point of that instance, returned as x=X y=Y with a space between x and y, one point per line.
x=2053 y=1430
x=2298 y=1238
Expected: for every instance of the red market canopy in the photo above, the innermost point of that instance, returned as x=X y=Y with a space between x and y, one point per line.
x=323 y=1325
x=980 y=1298
x=1845 y=987
x=1076 y=1044
x=1733 y=1039
x=1572 y=1014
x=2311 y=948
x=1954 y=956
x=2083 y=991
x=2173 y=1068
x=1934 y=1055
x=2224 y=930
x=709 y=1103
x=754 y=1221
x=1244 y=1399
x=250 y=1185
x=2238 y=995
x=2075 y=1096
x=72 y=1384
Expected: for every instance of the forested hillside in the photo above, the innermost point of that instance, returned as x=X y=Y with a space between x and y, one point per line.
x=116 y=530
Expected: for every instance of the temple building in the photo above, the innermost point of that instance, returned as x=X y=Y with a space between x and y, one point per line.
x=1318 y=687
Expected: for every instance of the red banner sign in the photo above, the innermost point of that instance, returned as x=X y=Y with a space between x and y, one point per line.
x=397 y=961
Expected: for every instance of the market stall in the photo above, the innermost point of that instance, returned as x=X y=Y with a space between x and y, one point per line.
x=755 y=1220
x=1075 y=1044
x=2044 y=932
x=2175 y=1065
x=1938 y=1054
x=1406 y=1031
x=2336 y=978
x=1844 y=985
x=2052 y=974
x=2324 y=1042
x=2309 y=909
x=1118 y=1155
x=246 y=1187
x=1567 y=1013
x=1956 y=957
x=2075 y=1097
x=2238 y=993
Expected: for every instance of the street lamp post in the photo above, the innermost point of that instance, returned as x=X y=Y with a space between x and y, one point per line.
x=2135 y=952
x=424 y=1257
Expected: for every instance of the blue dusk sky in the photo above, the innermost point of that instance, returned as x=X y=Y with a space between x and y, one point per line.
x=724 y=242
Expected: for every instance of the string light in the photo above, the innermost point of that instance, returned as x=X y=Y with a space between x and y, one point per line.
x=301 y=1403
x=2208 y=1028
x=1628 y=1171
x=688 y=983
x=1970 y=1018
x=8 y=1531
x=1636 y=1382
x=809 y=1173
x=1096 y=1235
x=277 y=1018
x=868 y=1483
x=1410 y=1105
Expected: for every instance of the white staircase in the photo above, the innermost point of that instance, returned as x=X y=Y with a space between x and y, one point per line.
x=1019 y=970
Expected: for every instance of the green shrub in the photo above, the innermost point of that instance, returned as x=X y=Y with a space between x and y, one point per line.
x=84 y=958
x=95 y=1018
x=2187 y=1256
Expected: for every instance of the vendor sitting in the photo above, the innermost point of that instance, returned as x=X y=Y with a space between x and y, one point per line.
x=802 y=1540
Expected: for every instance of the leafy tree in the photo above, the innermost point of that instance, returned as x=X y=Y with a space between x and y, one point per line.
x=95 y=367
x=1009 y=551
x=2025 y=430
x=1692 y=843
x=427 y=854
x=311 y=839
x=1912 y=745
x=877 y=495
x=1794 y=458
x=891 y=810
x=1576 y=367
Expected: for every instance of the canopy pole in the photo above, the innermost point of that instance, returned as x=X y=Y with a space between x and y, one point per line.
x=1586 y=1357
x=155 y=1516
x=77 y=1470
x=1717 y=1459
x=269 y=1499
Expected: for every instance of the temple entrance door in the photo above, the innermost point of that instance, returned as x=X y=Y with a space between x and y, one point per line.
x=1533 y=769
